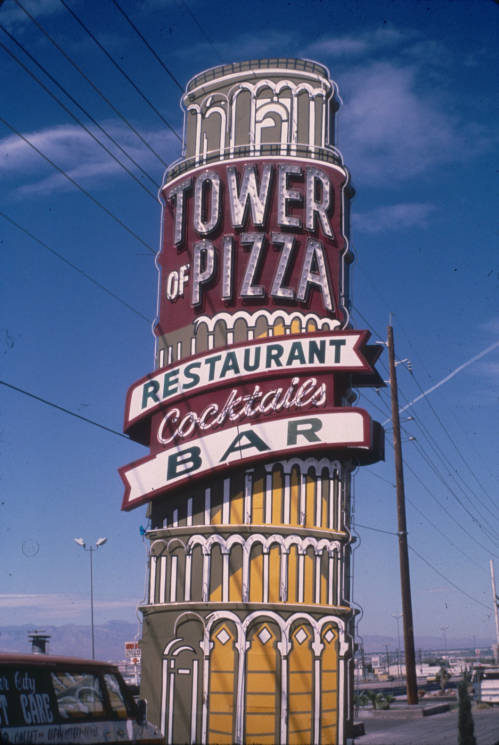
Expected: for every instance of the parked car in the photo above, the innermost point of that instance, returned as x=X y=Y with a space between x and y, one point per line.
x=47 y=699
x=485 y=682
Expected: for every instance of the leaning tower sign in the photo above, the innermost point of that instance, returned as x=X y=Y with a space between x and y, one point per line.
x=249 y=418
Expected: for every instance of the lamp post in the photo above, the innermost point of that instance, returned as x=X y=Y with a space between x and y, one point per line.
x=443 y=629
x=99 y=542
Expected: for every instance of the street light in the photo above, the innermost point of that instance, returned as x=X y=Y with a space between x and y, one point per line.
x=99 y=542
x=443 y=629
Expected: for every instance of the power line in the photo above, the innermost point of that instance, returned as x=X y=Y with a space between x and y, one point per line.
x=435 y=444
x=375 y=406
x=453 y=584
x=447 y=511
x=200 y=27
x=435 y=470
x=153 y=52
x=76 y=268
x=454 y=474
x=376 y=530
x=121 y=70
x=95 y=88
x=442 y=534
x=458 y=451
x=368 y=324
x=64 y=410
x=381 y=478
x=452 y=471
x=451 y=375
x=78 y=186
x=71 y=114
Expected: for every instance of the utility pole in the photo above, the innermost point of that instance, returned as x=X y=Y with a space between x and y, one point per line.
x=495 y=600
x=405 y=580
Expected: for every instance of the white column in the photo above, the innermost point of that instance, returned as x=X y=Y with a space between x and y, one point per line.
x=283 y=590
x=252 y=123
x=164 y=690
x=198 y=135
x=284 y=646
x=225 y=577
x=268 y=496
x=265 y=576
x=194 y=709
x=152 y=579
x=287 y=498
x=162 y=579
x=317 y=578
x=319 y=487
x=317 y=648
x=204 y=722
x=242 y=646
x=311 y=124
x=294 y=122
x=173 y=578
x=188 y=569
x=303 y=495
x=317 y=699
x=331 y=502
x=170 y=706
x=301 y=575
x=226 y=502
x=248 y=494
x=330 y=599
x=207 y=506
x=206 y=576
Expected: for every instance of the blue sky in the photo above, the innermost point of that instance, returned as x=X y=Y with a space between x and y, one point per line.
x=417 y=131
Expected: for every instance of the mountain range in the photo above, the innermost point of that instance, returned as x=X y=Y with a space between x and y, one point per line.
x=110 y=638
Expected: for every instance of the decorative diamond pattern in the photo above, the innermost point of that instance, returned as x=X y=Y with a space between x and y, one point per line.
x=264 y=635
x=223 y=637
x=329 y=636
x=301 y=635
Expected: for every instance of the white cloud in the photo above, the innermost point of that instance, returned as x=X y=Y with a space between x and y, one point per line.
x=13 y=16
x=388 y=129
x=491 y=326
x=60 y=608
x=75 y=152
x=358 y=44
x=393 y=217
x=245 y=46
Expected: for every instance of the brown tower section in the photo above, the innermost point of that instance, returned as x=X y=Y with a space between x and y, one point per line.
x=248 y=627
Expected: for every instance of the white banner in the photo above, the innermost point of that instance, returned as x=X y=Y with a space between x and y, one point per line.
x=284 y=354
x=341 y=428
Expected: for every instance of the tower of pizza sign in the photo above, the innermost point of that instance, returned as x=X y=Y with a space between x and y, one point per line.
x=249 y=419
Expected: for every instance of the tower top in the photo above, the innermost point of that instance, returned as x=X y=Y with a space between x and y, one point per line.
x=298 y=67
x=269 y=107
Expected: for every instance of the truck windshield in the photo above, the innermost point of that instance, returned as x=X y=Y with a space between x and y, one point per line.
x=78 y=695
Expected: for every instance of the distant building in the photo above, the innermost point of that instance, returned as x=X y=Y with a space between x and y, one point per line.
x=39 y=642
